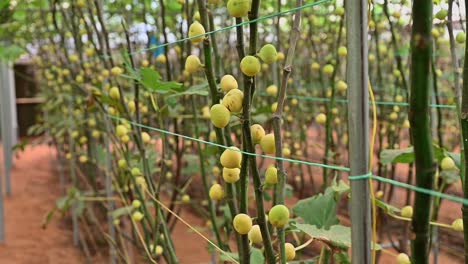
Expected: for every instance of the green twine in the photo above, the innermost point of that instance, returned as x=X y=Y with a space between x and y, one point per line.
x=421 y=190
x=320 y=99
x=360 y=177
x=218 y=30
x=339 y=168
x=333 y=167
x=430 y=192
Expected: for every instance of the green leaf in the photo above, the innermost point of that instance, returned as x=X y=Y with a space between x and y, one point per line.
x=128 y=65
x=63 y=203
x=48 y=217
x=150 y=79
x=20 y=146
x=388 y=156
x=266 y=196
x=101 y=156
x=456 y=158
x=288 y=190
x=194 y=166
x=200 y=89
x=170 y=86
x=339 y=187
x=80 y=206
x=121 y=211
x=256 y=256
x=439 y=153
x=226 y=256
x=342 y=257
x=319 y=210
x=11 y=52
x=171 y=101
x=337 y=235
x=386 y=207
x=450 y=177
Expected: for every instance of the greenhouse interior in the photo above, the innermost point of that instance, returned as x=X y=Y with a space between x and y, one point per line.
x=233 y=131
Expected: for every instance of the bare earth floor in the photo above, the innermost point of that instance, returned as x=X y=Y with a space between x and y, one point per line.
x=35 y=187
x=34 y=190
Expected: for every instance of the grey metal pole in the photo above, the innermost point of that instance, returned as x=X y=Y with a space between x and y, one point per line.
x=4 y=139
x=71 y=142
x=358 y=128
x=9 y=120
x=109 y=193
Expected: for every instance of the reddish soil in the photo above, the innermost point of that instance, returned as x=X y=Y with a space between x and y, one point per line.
x=35 y=187
x=34 y=190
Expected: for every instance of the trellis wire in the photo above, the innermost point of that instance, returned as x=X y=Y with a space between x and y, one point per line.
x=449 y=197
x=351 y=178
x=339 y=168
x=345 y=101
x=106 y=56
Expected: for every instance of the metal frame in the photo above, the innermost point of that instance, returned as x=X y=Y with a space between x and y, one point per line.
x=9 y=132
x=358 y=122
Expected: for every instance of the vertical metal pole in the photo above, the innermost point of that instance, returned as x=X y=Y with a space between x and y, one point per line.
x=358 y=125
x=4 y=139
x=76 y=238
x=109 y=193
x=9 y=119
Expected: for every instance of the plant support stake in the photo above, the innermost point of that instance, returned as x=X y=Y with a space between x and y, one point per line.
x=421 y=53
x=464 y=126
x=358 y=122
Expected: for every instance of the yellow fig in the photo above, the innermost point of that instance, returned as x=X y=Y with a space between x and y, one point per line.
x=231 y=175
x=216 y=192
x=242 y=223
x=402 y=258
x=233 y=100
x=271 y=175
x=328 y=69
x=268 y=54
x=231 y=158
x=192 y=64
x=238 y=8
x=290 y=251
x=457 y=225
x=274 y=106
x=161 y=59
x=341 y=86
x=321 y=118
x=196 y=29
x=272 y=90
x=250 y=65
x=228 y=82
x=448 y=164
x=342 y=51
x=280 y=56
x=219 y=115
x=255 y=235
x=268 y=144
x=257 y=133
